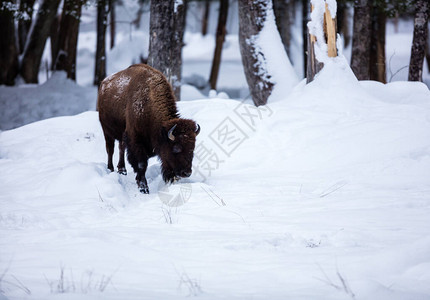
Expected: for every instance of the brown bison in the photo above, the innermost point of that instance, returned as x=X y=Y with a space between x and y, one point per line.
x=137 y=107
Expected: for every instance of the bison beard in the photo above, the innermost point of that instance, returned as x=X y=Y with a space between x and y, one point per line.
x=137 y=108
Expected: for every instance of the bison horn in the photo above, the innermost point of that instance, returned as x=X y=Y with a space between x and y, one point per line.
x=170 y=133
x=198 y=129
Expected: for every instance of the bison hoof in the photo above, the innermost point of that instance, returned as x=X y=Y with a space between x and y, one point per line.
x=122 y=171
x=143 y=187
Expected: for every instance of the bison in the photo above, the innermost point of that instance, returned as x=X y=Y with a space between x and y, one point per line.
x=137 y=107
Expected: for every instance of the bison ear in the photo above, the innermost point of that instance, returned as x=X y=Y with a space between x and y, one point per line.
x=177 y=148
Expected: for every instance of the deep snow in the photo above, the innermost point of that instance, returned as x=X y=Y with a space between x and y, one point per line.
x=322 y=194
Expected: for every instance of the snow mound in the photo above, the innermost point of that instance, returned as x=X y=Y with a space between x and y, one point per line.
x=58 y=96
x=321 y=195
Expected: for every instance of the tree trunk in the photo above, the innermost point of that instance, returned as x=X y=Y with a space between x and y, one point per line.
x=100 y=67
x=284 y=17
x=65 y=56
x=377 y=49
x=180 y=12
x=8 y=46
x=360 y=56
x=24 y=24
x=37 y=39
x=428 y=51
x=205 y=18
x=419 y=41
x=252 y=15
x=161 y=36
x=305 y=20
x=343 y=18
x=112 y=23
x=53 y=36
x=220 y=37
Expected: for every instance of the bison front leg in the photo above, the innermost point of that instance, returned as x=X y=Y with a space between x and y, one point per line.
x=140 y=177
x=139 y=162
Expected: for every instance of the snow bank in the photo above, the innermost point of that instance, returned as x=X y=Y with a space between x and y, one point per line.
x=58 y=96
x=321 y=196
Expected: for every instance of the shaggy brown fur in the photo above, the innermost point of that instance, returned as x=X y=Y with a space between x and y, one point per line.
x=137 y=107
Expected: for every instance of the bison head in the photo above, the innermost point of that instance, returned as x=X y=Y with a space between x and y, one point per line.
x=178 y=140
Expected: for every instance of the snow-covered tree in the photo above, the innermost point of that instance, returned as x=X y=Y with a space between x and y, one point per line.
x=264 y=59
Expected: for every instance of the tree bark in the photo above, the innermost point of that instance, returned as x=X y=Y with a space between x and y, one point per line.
x=24 y=24
x=220 y=37
x=305 y=20
x=419 y=41
x=179 y=18
x=361 y=37
x=205 y=18
x=161 y=36
x=65 y=56
x=8 y=46
x=428 y=51
x=343 y=17
x=284 y=17
x=377 y=49
x=252 y=15
x=37 y=39
x=100 y=66
x=53 y=36
x=112 y=23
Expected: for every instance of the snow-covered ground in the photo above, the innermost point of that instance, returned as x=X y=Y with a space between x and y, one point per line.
x=322 y=194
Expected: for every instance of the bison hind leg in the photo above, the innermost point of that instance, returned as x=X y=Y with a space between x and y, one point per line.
x=110 y=143
x=121 y=164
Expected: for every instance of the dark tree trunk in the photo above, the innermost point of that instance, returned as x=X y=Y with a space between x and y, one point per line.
x=305 y=20
x=220 y=37
x=343 y=17
x=360 y=56
x=252 y=15
x=37 y=39
x=205 y=19
x=24 y=24
x=100 y=67
x=377 y=49
x=53 y=36
x=161 y=36
x=428 y=51
x=179 y=18
x=112 y=23
x=8 y=47
x=284 y=17
x=419 y=41
x=65 y=56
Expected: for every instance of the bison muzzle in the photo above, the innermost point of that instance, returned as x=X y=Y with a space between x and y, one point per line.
x=137 y=107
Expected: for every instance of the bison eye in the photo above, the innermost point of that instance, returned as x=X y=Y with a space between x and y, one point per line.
x=177 y=148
